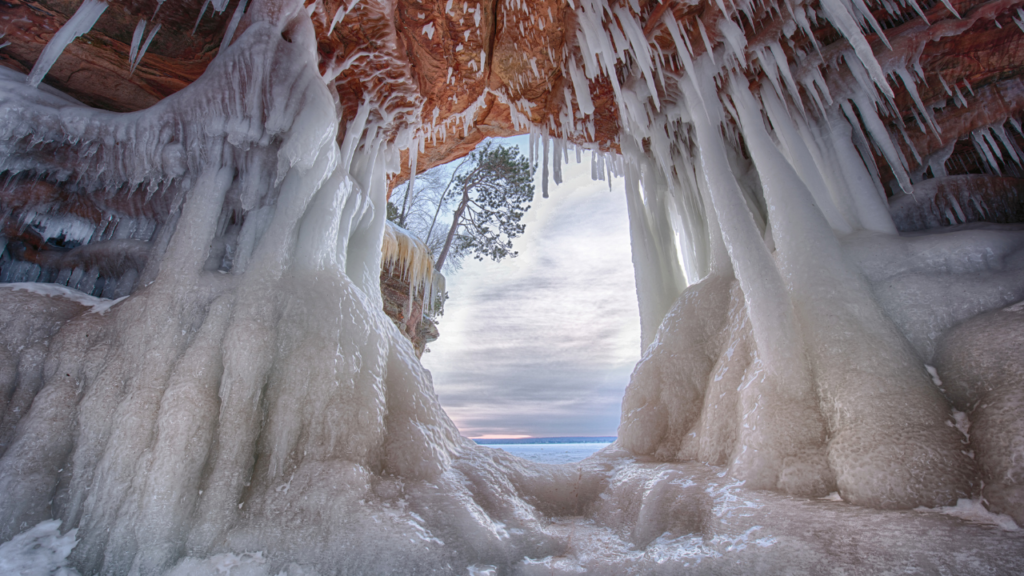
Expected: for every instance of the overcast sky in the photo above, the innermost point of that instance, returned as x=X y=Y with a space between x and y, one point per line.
x=543 y=344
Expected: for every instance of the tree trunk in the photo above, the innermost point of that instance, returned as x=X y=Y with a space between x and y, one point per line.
x=405 y=203
x=451 y=231
x=440 y=201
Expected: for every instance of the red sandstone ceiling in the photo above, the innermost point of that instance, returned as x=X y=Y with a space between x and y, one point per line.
x=436 y=58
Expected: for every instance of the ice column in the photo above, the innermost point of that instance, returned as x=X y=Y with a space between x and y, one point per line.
x=862 y=364
x=777 y=455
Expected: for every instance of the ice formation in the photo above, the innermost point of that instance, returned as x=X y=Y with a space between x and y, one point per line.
x=205 y=382
x=406 y=254
x=83 y=20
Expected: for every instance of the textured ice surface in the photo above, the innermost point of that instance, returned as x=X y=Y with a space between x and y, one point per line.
x=39 y=551
x=982 y=369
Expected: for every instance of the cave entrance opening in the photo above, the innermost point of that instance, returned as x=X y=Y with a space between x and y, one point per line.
x=542 y=344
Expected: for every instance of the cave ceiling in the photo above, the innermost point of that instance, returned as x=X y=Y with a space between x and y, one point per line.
x=464 y=71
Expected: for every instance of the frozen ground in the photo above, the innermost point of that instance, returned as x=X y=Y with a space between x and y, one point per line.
x=657 y=518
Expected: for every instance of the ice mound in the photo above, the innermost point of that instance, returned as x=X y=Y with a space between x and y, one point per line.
x=982 y=369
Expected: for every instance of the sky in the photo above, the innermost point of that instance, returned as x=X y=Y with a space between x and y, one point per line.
x=543 y=344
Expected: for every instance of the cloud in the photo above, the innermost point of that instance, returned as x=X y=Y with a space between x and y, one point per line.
x=543 y=344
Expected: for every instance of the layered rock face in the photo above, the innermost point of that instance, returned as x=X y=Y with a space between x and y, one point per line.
x=196 y=363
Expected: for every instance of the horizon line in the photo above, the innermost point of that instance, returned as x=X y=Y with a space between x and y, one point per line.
x=521 y=438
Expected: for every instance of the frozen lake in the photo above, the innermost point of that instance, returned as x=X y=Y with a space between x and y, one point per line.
x=551 y=450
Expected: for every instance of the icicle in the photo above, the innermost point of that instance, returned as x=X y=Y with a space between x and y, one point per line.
x=406 y=254
x=581 y=86
x=140 y=30
x=229 y=34
x=533 y=146
x=944 y=85
x=937 y=161
x=811 y=89
x=544 y=177
x=987 y=136
x=819 y=81
x=658 y=275
x=880 y=136
x=1008 y=143
x=411 y=187
x=770 y=69
x=860 y=142
x=801 y=159
x=353 y=133
x=704 y=37
x=734 y=38
x=770 y=309
x=556 y=161
x=982 y=147
x=868 y=17
x=199 y=18
x=340 y=14
x=917 y=8
x=783 y=64
x=145 y=46
x=683 y=51
x=910 y=144
x=961 y=101
x=841 y=18
x=82 y=21
x=911 y=86
x=641 y=50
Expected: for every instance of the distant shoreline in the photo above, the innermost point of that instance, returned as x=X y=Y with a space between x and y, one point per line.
x=552 y=440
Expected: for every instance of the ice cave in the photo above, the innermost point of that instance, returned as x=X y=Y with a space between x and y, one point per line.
x=827 y=229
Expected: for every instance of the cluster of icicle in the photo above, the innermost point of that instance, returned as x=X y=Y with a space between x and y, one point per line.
x=782 y=362
x=406 y=254
x=89 y=12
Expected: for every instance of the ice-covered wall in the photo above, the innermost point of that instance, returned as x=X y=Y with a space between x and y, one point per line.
x=197 y=375
x=263 y=382
x=799 y=359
